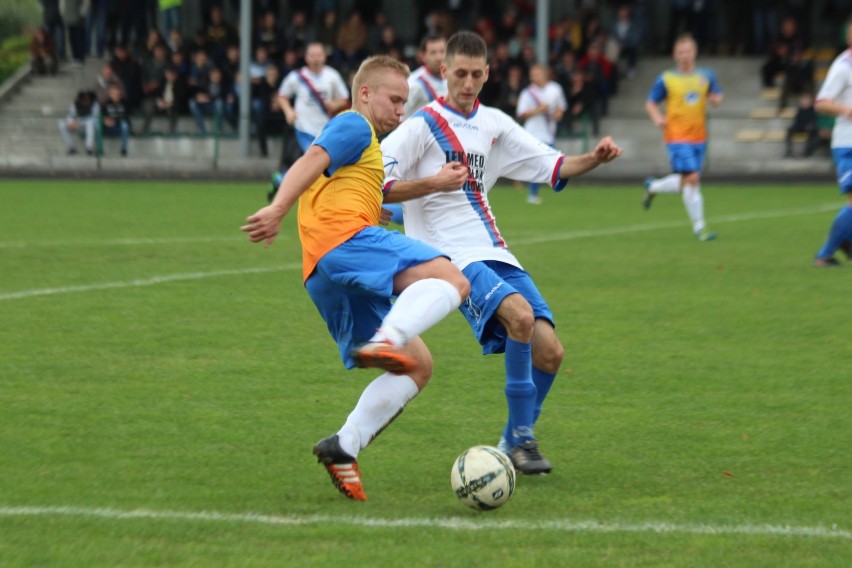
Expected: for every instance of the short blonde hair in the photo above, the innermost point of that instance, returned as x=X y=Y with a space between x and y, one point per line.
x=371 y=68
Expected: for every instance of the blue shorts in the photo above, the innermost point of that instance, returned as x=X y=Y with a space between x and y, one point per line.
x=843 y=163
x=686 y=158
x=304 y=139
x=490 y=282
x=352 y=284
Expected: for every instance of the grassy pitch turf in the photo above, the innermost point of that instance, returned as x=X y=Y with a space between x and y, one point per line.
x=162 y=383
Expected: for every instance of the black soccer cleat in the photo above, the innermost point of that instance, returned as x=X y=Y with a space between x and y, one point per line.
x=528 y=460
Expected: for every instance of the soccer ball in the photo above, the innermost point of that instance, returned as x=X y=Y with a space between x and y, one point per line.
x=483 y=478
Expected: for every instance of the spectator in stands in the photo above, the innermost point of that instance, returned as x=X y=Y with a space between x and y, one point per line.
x=326 y=31
x=231 y=64
x=625 y=32
x=72 y=15
x=176 y=42
x=299 y=32
x=219 y=34
x=128 y=70
x=82 y=117
x=43 y=58
x=269 y=35
x=96 y=26
x=798 y=77
x=134 y=21
x=787 y=41
x=804 y=125
x=498 y=73
x=209 y=100
x=264 y=100
x=566 y=67
x=52 y=21
x=151 y=41
x=179 y=62
x=389 y=42
x=351 y=43
x=566 y=38
x=199 y=72
x=169 y=100
x=105 y=79
x=153 y=70
x=116 y=120
x=598 y=72
x=171 y=15
x=510 y=90
x=581 y=102
x=257 y=66
x=319 y=93
x=289 y=61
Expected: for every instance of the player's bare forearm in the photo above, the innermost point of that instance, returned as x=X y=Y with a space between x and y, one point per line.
x=265 y=223
x=605 y=151
x=654 y=113
x=833 y=108
x=450 y=178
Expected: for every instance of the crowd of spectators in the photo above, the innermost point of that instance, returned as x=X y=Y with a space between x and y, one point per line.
x=163 y=72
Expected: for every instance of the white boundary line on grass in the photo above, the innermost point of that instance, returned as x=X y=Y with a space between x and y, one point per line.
x=142 y=282
x=675 y=224
x=121 y=242
x=520 y=241
x=452 y=524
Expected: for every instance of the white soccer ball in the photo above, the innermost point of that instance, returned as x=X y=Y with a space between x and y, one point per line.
x=483 y=477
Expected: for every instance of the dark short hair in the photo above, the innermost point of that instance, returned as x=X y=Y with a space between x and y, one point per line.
x=466 y=43
x=428 y=38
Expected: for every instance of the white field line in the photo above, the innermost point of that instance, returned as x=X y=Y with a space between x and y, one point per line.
x=569 y=235
x=141 y=282
x=121 y=242
x=551 y=237
x=450 y=524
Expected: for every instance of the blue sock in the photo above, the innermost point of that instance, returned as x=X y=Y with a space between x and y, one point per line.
x=520 y=392
x=396 y=209
x=841 y=230
x=543 y=381
x=533 y=190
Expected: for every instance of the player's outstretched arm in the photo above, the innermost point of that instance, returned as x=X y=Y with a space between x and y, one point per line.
x=264 y=225
x=450 y=178
x=606 y=151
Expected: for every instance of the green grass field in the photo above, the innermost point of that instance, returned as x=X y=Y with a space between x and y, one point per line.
x=162 y=382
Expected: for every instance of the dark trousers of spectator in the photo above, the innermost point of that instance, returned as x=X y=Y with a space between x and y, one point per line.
x=150 y=110
x=96 y=25
x=120 y=129
x=290 y=149
x=77 y=41
x=43 y=65
x=216 y=109
x=56 y=28
x=260 y=113
x=134 y=22
x=811 y=143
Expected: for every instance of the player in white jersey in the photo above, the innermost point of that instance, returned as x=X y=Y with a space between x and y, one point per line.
x=540 y=108
x=426 y=83
x=505 y=310
x=835 y=98
x=319 y=93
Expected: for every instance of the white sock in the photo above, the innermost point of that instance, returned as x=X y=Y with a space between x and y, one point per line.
x=694 y=203
x=419 y=307
x=380 y=403
x=667 y=184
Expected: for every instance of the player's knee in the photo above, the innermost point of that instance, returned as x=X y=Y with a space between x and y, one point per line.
x=551 y=358
x=691 y=178
x=516 y=315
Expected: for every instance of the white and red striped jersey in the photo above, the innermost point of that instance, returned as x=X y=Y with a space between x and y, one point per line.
x=423 y=88
x=542 y=126
x=310 y=90
x=492 y=145
x=837 y=87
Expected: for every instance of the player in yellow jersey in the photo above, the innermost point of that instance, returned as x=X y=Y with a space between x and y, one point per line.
x=352 y=267
x=685 y=92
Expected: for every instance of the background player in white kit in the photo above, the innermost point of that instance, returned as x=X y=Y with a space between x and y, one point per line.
x=319 y=93
x=425 y=84
x=505 y=310
x=540 y=108
x=835 y=98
